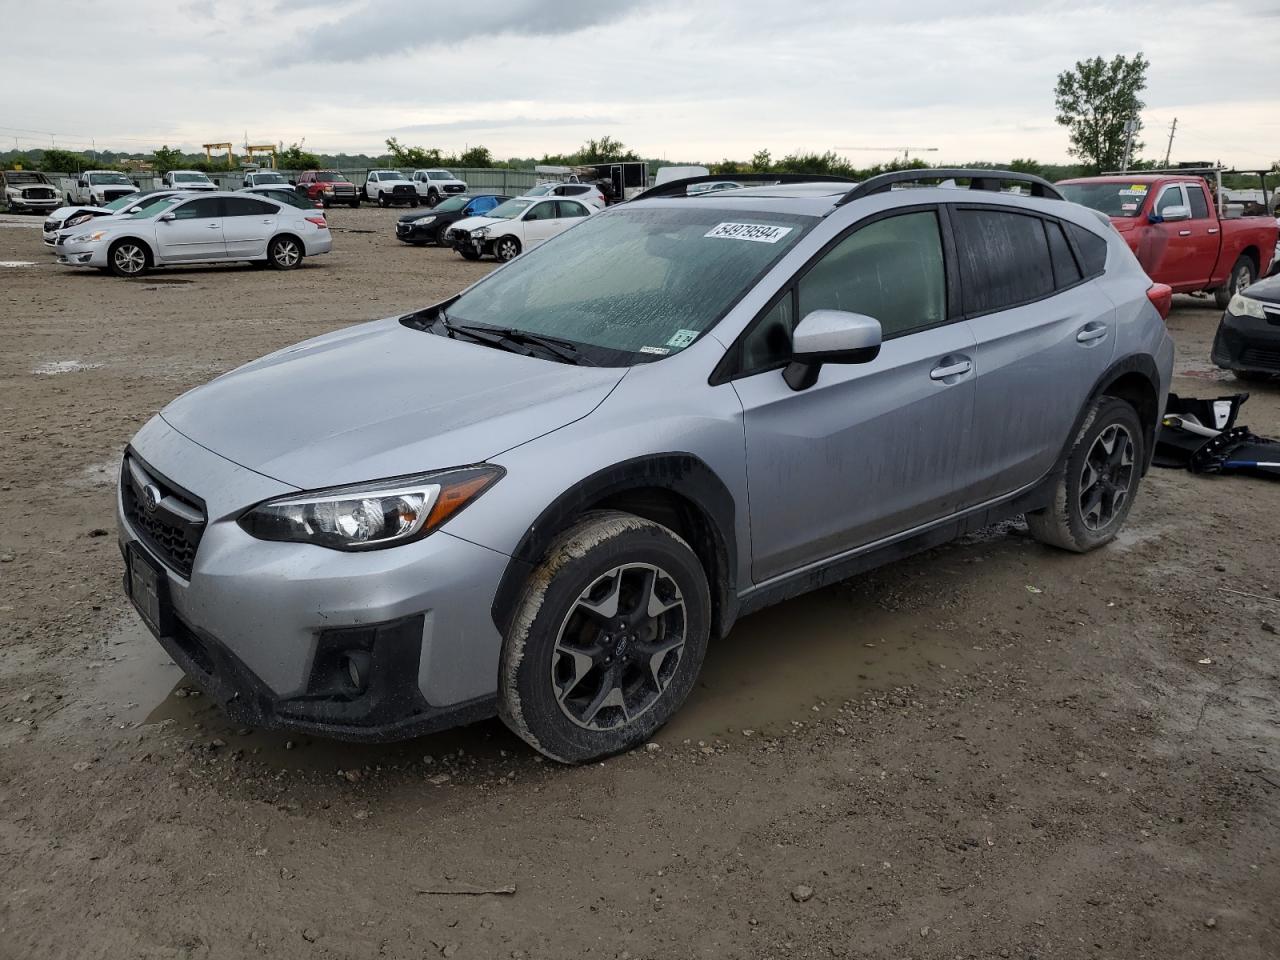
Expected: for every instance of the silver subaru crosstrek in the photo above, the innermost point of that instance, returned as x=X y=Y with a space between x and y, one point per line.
x=543 y=497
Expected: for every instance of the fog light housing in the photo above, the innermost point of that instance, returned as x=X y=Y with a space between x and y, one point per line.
x=358 y=664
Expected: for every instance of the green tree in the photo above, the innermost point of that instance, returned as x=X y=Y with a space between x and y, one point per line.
x=729 y=166
x=63 y=161
x=476 y=158
x=1095 y=100
x=294 y=157
x=762 y=160
x=829 y=163
x=604 y=150
x=412 y=156
x=165 y=159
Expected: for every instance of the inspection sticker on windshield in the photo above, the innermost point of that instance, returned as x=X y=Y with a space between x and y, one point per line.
x=1137 y=190
x=756 y=232
x=682 y=338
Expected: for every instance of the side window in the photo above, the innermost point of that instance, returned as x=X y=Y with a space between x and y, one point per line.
x=1004 y=259
x=1170 y=197
x=572 y=208
x=769 y=341
x=247 y=207
x=203 y=209
x=1199 y=206
x=1065 y=269
x=891 y=270
x=1093 y=249
x=541 y=211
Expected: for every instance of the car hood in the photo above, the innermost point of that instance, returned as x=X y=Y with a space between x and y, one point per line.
x=382 y=400
x=1267 y=290
x=66 y=213
x=474 y=223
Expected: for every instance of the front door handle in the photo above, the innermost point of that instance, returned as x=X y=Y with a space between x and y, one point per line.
x=215 y=226
x=1091 y=332
x=1184 y=233
x=950 y=367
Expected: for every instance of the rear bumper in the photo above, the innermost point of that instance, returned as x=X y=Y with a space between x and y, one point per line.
x=1247 y=343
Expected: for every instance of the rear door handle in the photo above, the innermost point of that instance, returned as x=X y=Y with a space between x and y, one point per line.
x=1184 y=233
x=1091 y=332
x=215 y=226
x=950 y=367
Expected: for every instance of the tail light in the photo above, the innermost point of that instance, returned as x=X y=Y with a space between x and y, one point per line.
x=323 y=225
x=1161 y=296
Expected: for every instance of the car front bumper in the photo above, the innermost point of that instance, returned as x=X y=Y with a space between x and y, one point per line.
x=269 y=629
x=1248 y=343
x=85 y=254
x=34 y=206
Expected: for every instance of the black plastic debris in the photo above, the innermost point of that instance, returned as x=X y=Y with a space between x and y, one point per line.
x=1201 y=436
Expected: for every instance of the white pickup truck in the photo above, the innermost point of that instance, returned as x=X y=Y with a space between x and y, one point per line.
x=97 y=188
x=436 y=184
x=188 y=180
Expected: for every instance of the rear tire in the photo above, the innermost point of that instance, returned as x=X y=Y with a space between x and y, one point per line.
x=1242 y=276
x=285 y=253
x=607 y=640
x=1095 y=491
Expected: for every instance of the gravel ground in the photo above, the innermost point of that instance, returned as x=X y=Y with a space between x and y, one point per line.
x=989 y=750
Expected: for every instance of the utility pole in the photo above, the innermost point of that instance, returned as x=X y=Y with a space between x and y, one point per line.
x=1169 y=152
x=1130 y=130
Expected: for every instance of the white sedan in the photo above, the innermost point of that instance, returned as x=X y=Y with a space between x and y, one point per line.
x=208 y=228
x=521 y=224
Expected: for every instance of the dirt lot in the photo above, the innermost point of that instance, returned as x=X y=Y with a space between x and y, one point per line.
x=991 y=750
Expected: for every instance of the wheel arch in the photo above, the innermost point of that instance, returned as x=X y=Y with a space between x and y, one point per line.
x=289 y=235
x=141 y=241
x=677 y=490
x=1136 y=379
x=1255 y=257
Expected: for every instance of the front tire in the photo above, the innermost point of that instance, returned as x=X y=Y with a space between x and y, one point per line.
x=607 y=640
x=128 y=258
x=1095 y=491
x=382 y=199
x=285 y=253
x=442 y=234
x=433 y=197
x=507 y=248
x=469 y=254
x=1242 y=276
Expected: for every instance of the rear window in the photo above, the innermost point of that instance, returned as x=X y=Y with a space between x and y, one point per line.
x=1066 y=271
x=1004 y=259
x=1093 y=249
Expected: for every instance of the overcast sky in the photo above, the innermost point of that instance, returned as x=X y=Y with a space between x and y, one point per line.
x=690 y=80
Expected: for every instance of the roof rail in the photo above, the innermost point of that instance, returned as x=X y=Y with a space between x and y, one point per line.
x=978 y=180
x=678 y=188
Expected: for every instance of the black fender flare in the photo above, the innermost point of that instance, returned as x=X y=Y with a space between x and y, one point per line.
x=1140 y=363
x=682 y=474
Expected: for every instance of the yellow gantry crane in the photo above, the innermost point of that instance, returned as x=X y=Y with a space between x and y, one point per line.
x=210 y=147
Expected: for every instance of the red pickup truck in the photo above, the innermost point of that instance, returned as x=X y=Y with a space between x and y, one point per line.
x=1173 y=226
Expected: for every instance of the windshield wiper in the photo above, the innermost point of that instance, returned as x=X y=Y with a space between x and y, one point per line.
x=501 y=337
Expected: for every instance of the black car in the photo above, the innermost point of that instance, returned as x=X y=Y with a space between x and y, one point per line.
x=1248 y=339
x=421 y=228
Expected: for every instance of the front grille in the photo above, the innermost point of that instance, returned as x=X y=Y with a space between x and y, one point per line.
x=1260 y=357
x=455 y=188
x=38 y=193
x=169 y=520
x=403 y=190
x=342 y=187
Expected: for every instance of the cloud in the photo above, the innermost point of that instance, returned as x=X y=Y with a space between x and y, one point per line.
x=505 y=123
x=377 y=29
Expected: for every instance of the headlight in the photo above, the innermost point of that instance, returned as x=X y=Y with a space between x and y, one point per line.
x=423 y=221
x=80 y=219
x=1242 y=306
x=89 y=237
x=368 y=516
x=480 y=232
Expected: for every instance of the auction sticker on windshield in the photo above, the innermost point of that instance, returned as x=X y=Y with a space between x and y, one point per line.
x=756 y=232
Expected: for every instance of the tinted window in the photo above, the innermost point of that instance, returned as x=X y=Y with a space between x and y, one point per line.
x=891 y=270
x=247 y=207
x=1199 y=206
x=1092 y=248
x=769 y=341
x=1065 y=269
x=572 y=208
x=542 y=211
x=1171 y=197
x=1004 y=259
x=201 y=209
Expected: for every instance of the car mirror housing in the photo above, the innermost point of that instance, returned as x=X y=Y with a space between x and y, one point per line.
x=1170 y=214
x=830 y=336
x=167 y=217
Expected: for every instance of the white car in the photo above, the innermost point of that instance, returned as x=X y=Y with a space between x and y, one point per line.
x=73 y=216
x=434 y=185
x=206 y=228
x=388 y=187
x=27 y=190
x=188 y=180
x=521 y=224
x=588 y=193
x=97 y=188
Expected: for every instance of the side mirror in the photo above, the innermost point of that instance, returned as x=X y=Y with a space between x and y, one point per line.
x=166 y=217
x=1171 y=214
x=830 y=336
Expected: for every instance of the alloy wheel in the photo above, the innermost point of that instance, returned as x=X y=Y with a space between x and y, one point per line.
x=1240 y=282
x=286 y=253
x=507 y=250
x=129 y=258
x=1107 y=477
x=619 y=647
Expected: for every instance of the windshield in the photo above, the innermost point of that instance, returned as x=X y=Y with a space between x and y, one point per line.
x=634 y=284
x=330 y=178
x=393 y=175
x=1114 y=199
x=110 y=178
x=509 y=210
x=541 y=190
x=121 y=203
x=157 y=207
x=439 y=175
x=259 y=178
x=190 y=178
x=452 y=204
